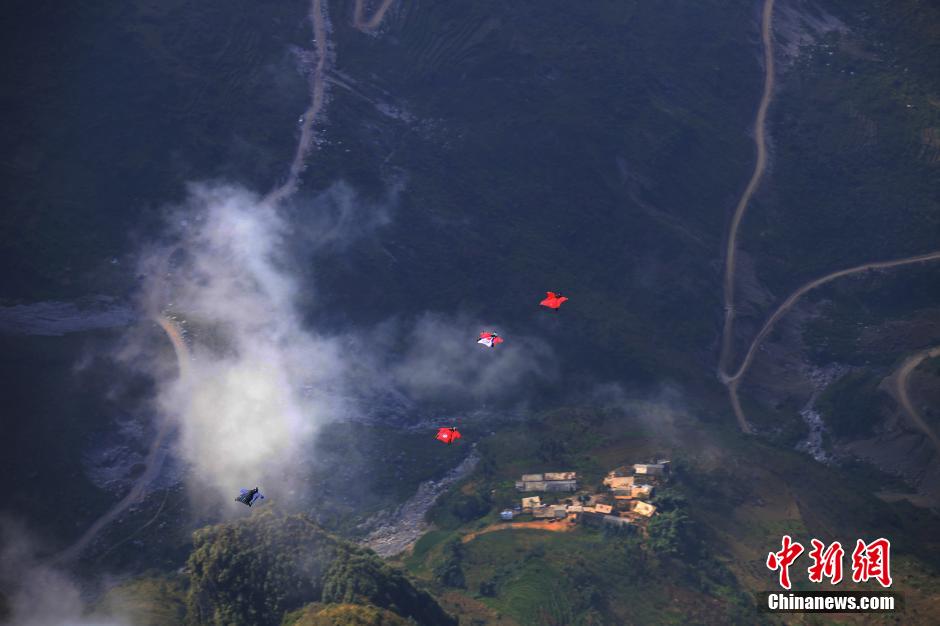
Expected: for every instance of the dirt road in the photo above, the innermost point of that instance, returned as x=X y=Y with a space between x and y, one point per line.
x=373 y=22
x=318 y=83
x=733 y=380
x=153 y=462
x=760 y=141
x=317 y=98
x=901 y=392
x=561 y=526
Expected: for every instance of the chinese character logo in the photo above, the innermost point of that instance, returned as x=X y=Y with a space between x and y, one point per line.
x=869 y=561
x=872 y=560
x=783 y=559
x=826 y=563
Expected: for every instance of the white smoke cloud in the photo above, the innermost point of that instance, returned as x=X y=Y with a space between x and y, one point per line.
x=247 y=403
x=659 y=412
x=257 y=384
x=38 y=594
x=442 y=361
x=664 y=416
x=340 y=216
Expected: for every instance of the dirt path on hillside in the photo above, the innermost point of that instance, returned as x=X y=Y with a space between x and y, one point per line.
x=153 y=462
x=372 y=23
x=760 y=140
x=900 y=388
x=318 y=81
x=733 y=380
x=562 y=526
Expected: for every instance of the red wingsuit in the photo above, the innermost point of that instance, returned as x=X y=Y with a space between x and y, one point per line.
x=447 y=435
x=553 y=300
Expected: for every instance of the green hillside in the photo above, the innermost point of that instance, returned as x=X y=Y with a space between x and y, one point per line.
x=265 y=568
x=474 y=155
x=728 y=504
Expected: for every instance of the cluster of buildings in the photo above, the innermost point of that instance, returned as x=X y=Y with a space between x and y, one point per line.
x=549 y=481
x=624 y=501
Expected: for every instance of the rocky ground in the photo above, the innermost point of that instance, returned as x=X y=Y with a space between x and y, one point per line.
x=58 y=318
x=392 y=532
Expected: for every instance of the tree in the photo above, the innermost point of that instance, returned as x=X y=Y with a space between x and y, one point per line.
x=457 y=507
x=257 y=569
x=253 y=570
x=670 y=534
x=449 y=572
x=360 y=577
x=669 y=499
x=488 y=588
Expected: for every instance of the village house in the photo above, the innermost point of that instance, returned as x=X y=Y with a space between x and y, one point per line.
x=550 y=481
x=530 y=503
x=621 y=471
x=651 y=469
x=615 y=481
x=543 y=512
x=600 y=519
x=556 y=511
x=619 y=485
x=621 y=505
x=624 y=489
x=641 y=491
x=629 y=494
x=617 y=521
x=643 y=508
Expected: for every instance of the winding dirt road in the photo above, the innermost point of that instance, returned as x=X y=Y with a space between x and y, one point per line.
x=733 y=380
x=901 y=390
x=760 y=141
x=318 y=82
x=372 y=23
x=153 y=462
x=317 y=98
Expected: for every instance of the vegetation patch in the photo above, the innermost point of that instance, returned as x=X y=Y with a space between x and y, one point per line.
x=853 y=405
x=257 y=569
